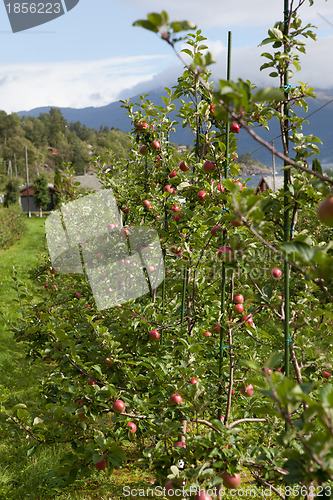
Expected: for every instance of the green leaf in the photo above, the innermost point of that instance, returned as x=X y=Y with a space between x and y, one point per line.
x=269 y=94
x=275 y=33
x=143 y=23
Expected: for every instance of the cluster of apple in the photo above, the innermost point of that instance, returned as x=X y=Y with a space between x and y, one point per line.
x=145 y=132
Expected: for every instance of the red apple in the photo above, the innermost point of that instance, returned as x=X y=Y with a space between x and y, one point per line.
x=101 y=464
x=220 y=188
x=126 y=210
x=175 y=208
x=170 y=489
x=234 y=128
x=276 y=273
x=266 y=370
x=108 y=361
x=225 y=253
x=248 y=319
x=154 y=335
x=155 y=145
x=132 y=427
x=144 y=150
x=143 y=126
x=202 y=496
x=239 y=184
x=169 y=189
x=325 y=374
x=238 y=298
x=177 y=216
x=209 y=166
x=175 y=249
x=46 y=286
x=91 y=382
x=202 y=195
x=179 y=444
x=325 y=211
x=78 y=295
x=172 y=174
x=216 y=230
x=146 y=204
x=231 y=482
x=236 y=223
x=183 y=166
x=207 y=334
x=193 y=381
x=238 y=308
x=176 y=399
x=211 y=108
x=247 y=391
x=118 y=406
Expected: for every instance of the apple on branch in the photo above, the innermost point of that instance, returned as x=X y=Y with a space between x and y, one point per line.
x=118 y=406
x=154 y=335
x=234 y=128
x=231 y=481
x=209 y=166
x=183 y=167
x=101 y=464
x=325 y=211
x=238 y=298
x=176 y=399
x=247 y=391
x=132 y=427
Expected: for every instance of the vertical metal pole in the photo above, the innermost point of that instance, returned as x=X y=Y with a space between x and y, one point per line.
x=223 y=287
x=286 y=212
x=273 y=160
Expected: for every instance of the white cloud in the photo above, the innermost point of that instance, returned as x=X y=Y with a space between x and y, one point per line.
x=73 y=84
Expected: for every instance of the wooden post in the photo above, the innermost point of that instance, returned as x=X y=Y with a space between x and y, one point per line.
x=273 y=158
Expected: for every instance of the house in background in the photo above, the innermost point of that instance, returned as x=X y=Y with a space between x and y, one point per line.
x=23 y=198
x=267 y=183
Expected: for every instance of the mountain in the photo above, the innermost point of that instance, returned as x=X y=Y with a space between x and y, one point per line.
x=114 y=116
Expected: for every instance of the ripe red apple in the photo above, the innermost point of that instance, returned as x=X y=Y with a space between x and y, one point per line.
x=238 y=308
x=154 y=335
x=239 y=184
x=169 y=189
x=179 y=444
x=247 y=391
x=209 y=166
x=143 y=126
x=118 y=406
x=202 y=195
x=91 y=382
x=170 y=489
x=325 y=374
x=177 y=216
x=46 y=285
x=132 y=427
x=155 y=145
x=146 y=204
x=211 y=108
x=216 y=230
x=172 y=174
x=220 y=188
x=144 y=150
x=325 y=211
x=183 y=167
x=175 y=208
x=231 y=482
x=193 y=381
x=236 y=223
x=126 y=210
x=276 y=273
x=101 y=464
x=234 y=128
x=175 y=249
x=248 y=319
x=78 y=295
x=176 y=399
x=225 y=253
x=238 y=298
x=202 y=496
x=207 y=334
x=108 y=361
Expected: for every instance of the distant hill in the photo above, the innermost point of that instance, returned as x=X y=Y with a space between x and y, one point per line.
x=114 y=116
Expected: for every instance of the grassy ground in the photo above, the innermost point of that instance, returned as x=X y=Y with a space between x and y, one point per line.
x=28 y=477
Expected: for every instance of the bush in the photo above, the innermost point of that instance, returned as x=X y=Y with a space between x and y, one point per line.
x=12 y=224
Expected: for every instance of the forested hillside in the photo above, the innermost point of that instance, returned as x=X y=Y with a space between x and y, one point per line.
x=51 y=141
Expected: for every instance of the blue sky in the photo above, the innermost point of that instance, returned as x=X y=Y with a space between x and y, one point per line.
x=92 y=55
